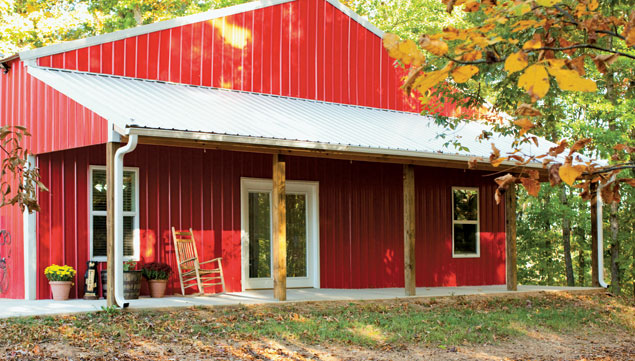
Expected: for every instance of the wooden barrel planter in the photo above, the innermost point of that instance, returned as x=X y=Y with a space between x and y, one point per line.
x=131 y=284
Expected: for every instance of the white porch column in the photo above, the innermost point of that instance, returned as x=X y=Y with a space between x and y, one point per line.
x=30 y=247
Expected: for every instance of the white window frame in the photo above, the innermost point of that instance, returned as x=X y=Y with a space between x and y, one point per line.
x=477 y=222
x=311 y=189
x=135 y=224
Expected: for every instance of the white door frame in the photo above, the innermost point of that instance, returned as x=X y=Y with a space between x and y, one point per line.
x=311 y=189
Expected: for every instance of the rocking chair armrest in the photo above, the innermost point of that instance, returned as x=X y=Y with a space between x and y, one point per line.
x=211 y=260
x=188 y=260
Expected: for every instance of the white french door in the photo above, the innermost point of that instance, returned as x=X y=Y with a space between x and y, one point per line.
x=302 y=233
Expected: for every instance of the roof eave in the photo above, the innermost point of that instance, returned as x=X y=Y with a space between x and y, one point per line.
x=203 y=139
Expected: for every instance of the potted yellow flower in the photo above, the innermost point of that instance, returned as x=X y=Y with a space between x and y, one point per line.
x=61 y=280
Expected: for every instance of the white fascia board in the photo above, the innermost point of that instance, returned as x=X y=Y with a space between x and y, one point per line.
x=353 y=15
x=298 y=144
x=146 y=29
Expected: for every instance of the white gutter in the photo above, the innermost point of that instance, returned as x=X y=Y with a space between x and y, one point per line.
x=600 y=223
x=132 y=144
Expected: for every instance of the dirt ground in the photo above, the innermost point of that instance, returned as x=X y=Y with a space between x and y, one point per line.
x=535 y=347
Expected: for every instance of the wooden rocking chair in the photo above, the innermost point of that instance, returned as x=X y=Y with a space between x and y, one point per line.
x=189 y=266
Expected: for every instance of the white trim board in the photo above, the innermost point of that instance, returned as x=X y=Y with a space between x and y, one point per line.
x=29 y=235
x=185 y=20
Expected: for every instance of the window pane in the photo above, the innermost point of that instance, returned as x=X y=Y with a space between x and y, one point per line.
x=465 y=239
x=465 y=205
x=129 y=191
x=259 y=235
x=296 y=235
x=99 y=190
x=128 y=236
x=99 y=236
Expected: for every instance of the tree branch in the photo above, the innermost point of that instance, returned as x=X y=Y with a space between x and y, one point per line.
x=475 y=62
x=573 y=21
x=629 y=165
x=583 y=46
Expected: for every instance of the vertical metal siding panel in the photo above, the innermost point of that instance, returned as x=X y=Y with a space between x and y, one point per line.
x=95 y=59
x=82 y=238
x=130 y=59
x=164 y=55
x=45 y=61
x=339 y=56
x=107 y=58
x=154 y=46
x=57 y=60
x=321 y=51
x=141 y=63
x=258 y=37
x=276 y=50
x=43 y=242
x=69 y=187
x=185 y=50
x=329 y=29
x=196 y=54
x=207 y=53
x=303 y=31
x=248 y=54
x=175 y=55
x=82 y=59
x=217 y=59
x=119 y=57
x=70 y=60
x=285 y=49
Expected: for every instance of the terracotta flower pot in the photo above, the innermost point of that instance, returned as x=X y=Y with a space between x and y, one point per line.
x=60 y=289
x=157 y=288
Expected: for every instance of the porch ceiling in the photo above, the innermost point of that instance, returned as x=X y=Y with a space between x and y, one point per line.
x=167 y=110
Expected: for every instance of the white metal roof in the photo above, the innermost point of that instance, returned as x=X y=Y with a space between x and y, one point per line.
x=175 y=110
x=185 y=20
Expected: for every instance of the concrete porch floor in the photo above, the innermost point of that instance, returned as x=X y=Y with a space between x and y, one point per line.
x=18 y=308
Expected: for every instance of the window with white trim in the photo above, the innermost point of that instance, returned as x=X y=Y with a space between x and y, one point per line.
x=465 y=222
x=97 y=208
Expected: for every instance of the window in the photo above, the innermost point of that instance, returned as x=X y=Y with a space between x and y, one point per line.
x=97 y=206
x=465 y=227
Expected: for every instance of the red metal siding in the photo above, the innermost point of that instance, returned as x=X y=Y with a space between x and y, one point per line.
x=361 y=225
x=55 y=121
x=11 y=251
x=305 y=48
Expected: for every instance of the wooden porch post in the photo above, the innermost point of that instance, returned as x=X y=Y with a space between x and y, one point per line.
x=409 y=229
x=595 y=279
x=111 y=149
x=510 y=237
x=279 y=217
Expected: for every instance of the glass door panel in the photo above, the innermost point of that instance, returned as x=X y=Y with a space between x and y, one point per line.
x=259 y=235
x=296 y=235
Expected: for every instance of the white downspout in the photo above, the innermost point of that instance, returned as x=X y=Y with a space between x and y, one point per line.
x=132 y=144
x=600 y=223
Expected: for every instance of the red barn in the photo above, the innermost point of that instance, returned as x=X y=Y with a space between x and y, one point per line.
x=209 y=105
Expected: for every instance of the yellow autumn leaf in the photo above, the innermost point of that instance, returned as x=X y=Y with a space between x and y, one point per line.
x=391 y=43
x=409 y=51
x=532 y=44
x=462 y=74
x=496 y=162
x=593 y=5
x=516 y=62
x=547 y=3
x=524 y=123
x=569 y=173
x=535 y=81
x=571 y=80
x=428 y=80
x=435 y=46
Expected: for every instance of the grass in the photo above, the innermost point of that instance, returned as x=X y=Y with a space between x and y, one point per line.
x=436 y=322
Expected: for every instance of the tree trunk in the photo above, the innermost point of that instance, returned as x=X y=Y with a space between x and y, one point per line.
x=615 y=250
x=566 y=239
x=547 y=251
x=581 y=263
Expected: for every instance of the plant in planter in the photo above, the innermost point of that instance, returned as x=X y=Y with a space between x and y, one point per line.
x=131 y=280
x=157 y=274
x=61 y=280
